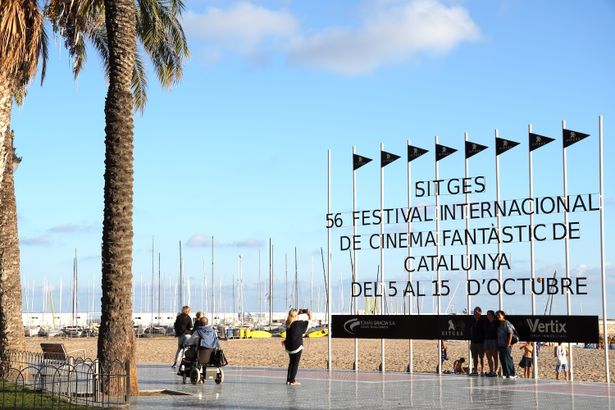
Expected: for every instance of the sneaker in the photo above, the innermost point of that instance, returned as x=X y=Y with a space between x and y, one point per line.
x=474 y=374
x=295 y=384
x=492 y=374
x=173 y=366
x=512 y=377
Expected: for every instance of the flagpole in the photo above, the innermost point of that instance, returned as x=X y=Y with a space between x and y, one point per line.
x=605 y=330
x=567 y=248
x=469 y=297
x=532 y=272
x=354 y=257
x=410 y=342
x=497 y=198
x=382 y=287
x=437 y=217
x=329 y=352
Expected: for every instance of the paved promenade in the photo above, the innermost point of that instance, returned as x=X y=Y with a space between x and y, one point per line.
x=259 y=388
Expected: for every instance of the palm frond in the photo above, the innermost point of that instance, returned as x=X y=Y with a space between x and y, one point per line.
x=139 y=83
x=21 y=28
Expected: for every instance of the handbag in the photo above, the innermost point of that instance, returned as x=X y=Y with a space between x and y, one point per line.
x=515 y=335
x=218 y=359
x=522 y=363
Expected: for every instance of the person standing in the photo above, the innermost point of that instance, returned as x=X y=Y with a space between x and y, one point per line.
x=561 y=354
x=527 y=360
x=491 y=343
x=505 y=335
x=183 y=331
x=477 y=341
x=296 y=325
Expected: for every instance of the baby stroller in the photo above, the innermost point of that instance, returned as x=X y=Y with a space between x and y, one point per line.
x=192 y=365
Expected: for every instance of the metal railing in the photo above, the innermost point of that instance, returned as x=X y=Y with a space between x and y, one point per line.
x=32 y=380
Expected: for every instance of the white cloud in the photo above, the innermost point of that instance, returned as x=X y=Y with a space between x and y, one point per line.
x=393 y=32
x=242 y=28
x=390 y=32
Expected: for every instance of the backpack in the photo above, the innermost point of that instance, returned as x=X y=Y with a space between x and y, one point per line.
x=179 y=330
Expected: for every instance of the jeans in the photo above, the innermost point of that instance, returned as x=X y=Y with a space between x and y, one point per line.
x=508 y=367
x=180 y=348
x=293 y=366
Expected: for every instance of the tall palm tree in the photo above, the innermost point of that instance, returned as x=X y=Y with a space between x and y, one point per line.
x=22 y=45
x=113 y=27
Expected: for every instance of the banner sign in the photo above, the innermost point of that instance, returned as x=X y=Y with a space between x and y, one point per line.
x=574 y=329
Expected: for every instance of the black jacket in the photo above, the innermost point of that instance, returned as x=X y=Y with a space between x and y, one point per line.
x=294 y=335
x=183 y=325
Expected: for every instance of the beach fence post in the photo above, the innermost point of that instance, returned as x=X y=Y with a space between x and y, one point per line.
x=329 y=352
x=605 y=330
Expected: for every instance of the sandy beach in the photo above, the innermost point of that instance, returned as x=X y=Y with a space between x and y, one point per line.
x=588 y=363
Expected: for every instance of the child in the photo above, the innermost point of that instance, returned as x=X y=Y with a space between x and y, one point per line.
x=561 y=366
x=527 y=359
x=458 y=366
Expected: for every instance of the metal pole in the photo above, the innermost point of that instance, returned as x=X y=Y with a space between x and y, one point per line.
x=410 y=342
x=152 y=286
x=437 y=220
x=260 y=296
x=270 y=283
x=213 y=285
x=159 y=289
x=532 y=270
x=329 y=351
x=296 y=281
x=355 y=365
x=469 y=297
x=605 y=330
x=499 y=220
x=382 y=287
x=567 y=249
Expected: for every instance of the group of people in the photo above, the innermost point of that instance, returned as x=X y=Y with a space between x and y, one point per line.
x=198 y=333
x=493 y=336
x=205 y=337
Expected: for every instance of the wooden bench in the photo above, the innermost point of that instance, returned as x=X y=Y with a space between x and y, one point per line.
x=56 y=351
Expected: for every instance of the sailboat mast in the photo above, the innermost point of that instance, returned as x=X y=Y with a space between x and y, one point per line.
x=181 y=279
x=158 y=288
x=74 y=313
x=213 y=284
x=296 y=282
x=151 y=323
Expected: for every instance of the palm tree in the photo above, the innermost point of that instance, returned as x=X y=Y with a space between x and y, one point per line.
x=113 y=27
x=22 y=45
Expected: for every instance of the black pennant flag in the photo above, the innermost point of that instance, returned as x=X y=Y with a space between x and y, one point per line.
x=386 y=158
x=572 y=137
x=358 y=161
x=415 y=152
x=502 y=145
x=537 y=141
x=442 y=151
x=473 y=148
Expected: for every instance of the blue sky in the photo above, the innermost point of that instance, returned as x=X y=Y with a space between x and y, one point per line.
x=238 y=149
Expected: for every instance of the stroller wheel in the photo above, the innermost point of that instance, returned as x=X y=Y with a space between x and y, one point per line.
x=219 y=376
x=195 y=375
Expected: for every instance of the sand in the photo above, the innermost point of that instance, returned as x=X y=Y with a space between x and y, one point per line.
x=588 y=363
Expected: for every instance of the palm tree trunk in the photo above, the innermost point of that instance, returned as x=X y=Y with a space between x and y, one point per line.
x=11 y=324
x=116 y=340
